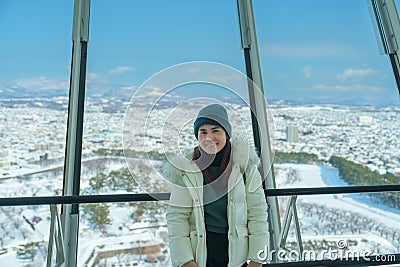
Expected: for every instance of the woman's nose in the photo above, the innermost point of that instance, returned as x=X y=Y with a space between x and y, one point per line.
x=210 y=136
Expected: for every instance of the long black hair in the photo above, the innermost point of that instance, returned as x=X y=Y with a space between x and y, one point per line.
x=225 y=168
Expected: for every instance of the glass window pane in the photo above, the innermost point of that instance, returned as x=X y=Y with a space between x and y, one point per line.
x=34 y=81
x=334 y=97
x=129 y=42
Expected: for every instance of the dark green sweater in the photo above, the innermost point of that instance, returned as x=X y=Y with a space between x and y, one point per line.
x=215 y=212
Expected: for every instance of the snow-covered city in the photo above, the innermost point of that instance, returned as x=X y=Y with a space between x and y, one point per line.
x=32 y=145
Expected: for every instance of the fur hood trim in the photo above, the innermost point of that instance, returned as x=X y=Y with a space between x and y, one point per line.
x=243 y=154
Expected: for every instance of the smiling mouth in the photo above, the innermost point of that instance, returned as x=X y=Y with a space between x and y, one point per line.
x=214 y=144
x=209 y=143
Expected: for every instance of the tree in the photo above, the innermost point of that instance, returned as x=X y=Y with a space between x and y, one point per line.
x=98 y=182
x=28 y=251
x=356 y=174
x=98 y=215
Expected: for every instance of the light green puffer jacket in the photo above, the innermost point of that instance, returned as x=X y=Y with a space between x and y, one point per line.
x=247 y=209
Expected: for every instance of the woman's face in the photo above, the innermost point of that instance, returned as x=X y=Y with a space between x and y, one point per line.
x=212 y=138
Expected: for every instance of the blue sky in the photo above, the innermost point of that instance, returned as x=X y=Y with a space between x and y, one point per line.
x=308 y=49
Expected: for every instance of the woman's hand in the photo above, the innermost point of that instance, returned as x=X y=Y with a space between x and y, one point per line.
x=254 y=264
x=190 y=264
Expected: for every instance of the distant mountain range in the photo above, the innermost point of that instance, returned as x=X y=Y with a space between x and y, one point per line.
x=21 y=92
x=16 y=92
x=337 y=101
x=126 y=93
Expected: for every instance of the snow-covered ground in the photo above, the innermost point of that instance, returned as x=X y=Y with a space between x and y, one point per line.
x=321 y=176
x=10 y=259
x=364 y=224
x=30 y=169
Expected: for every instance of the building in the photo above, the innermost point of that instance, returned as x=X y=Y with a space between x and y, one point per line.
x=292 y=133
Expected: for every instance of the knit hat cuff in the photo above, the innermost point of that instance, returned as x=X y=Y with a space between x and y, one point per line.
x=202 y=120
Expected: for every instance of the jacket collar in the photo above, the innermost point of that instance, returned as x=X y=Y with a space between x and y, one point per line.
x=243 y=155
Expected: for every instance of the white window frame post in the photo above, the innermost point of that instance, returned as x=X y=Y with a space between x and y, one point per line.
x=73 y=149
x=259 y=118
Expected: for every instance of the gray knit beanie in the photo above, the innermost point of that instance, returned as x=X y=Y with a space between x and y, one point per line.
x=214 y=114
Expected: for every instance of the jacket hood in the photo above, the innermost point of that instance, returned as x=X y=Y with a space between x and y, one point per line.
x=243 y=154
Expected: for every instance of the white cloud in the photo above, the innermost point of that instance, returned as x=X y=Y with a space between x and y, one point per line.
x=42 y=83
x=129 y=87
x=351 y=88
x=355 y=73
x=306 y=72
x=96 y=83
x=193 y=70
x=94 y=80
x=282 y=77
x=92 y=75
x=121 y=70
x=306 y=50
x=227 y=78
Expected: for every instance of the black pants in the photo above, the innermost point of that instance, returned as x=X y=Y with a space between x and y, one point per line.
x=217 y=250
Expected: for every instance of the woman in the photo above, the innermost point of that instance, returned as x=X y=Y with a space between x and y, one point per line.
x=217 y=215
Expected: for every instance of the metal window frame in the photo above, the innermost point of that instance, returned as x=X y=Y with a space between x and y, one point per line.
x=386 y=24
x=118 y=198
x=387 y=28
x=73 y=148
